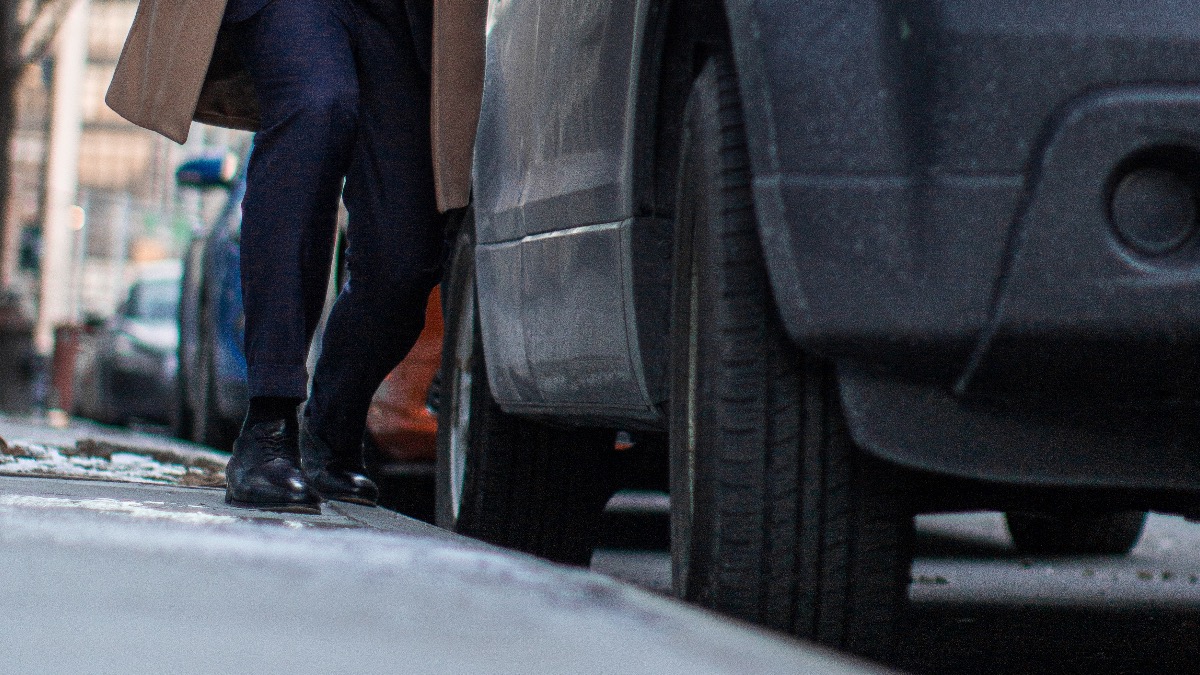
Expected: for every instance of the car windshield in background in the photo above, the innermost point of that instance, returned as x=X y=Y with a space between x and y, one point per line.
x=154 y=300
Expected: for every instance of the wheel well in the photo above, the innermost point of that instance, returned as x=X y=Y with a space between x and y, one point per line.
x=680 y=35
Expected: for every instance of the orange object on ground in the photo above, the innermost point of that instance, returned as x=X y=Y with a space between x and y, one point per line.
x=400 y=422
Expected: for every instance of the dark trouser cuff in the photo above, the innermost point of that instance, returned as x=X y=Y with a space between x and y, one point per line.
x=278 y=379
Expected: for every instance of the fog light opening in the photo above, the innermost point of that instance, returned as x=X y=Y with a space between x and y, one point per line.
x=1154 y=200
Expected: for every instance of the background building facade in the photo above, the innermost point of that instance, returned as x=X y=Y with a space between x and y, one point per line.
x=126 y=208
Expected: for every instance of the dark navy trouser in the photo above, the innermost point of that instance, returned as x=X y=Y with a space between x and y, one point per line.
x=343 y=89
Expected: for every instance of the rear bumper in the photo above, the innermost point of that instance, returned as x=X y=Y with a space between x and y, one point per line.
x=1077 y=309
x=999 y=286
x=934 y=185
x=1025 y=342
x=1123 y=447
x=1056 y=355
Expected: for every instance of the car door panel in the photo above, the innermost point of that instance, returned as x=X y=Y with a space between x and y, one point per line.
x=499 y=280
x=578 y=322
x=574 y=175
x=553 y=196
x=498 y=171
x=552 y=136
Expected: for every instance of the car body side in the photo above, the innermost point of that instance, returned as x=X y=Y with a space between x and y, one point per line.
x=210 y=308
x=125 y=368
x=931 y=182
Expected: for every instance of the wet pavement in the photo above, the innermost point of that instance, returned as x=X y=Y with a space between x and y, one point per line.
x=980 y=607
x=135 y=577
x=968 y=558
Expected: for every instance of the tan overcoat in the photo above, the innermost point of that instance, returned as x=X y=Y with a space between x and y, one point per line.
x=177 y=66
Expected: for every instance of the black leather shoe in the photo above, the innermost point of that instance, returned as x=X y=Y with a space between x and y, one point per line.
x=333 y=476
x=264 y=472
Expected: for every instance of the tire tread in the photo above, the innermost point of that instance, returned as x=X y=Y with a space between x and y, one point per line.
x=808 y=535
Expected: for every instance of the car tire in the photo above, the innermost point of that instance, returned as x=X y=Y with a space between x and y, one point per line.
x=1105 y=533
x=182 y=415
x=776 y=517
x=504 y=479
x=106 y=399
x=207 y=426
x=85 y=394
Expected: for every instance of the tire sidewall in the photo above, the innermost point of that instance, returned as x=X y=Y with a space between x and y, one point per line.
x=697 y=275
x=460 y=317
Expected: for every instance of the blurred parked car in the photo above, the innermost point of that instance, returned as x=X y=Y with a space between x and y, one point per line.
x=212 y=374
x=211 y=388
x=126 y=369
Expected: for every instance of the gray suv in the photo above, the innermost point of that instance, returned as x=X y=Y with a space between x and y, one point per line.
x=832 y=264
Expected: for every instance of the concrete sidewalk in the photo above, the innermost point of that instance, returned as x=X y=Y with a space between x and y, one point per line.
x=106 y=577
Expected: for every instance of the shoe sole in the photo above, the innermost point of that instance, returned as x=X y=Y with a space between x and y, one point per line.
x=278 y=507
x=349 y=500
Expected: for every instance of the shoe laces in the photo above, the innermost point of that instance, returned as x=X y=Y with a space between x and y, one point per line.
x=273 y=443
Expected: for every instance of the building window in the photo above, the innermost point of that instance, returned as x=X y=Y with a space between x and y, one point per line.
x=108 y=24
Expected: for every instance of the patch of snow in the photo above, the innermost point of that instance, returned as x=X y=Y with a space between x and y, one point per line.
x=125 y=507
x=30 y=458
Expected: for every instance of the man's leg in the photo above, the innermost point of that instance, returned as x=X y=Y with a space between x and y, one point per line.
x=302 y=64
x=300 y=58
x=395 y=247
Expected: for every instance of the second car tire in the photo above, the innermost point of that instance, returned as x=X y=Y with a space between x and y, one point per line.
x=776 y=516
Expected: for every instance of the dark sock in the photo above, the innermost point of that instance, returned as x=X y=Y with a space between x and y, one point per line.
x=271 y=409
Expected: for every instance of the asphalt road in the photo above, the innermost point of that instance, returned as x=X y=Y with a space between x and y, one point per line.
x=980 y=607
